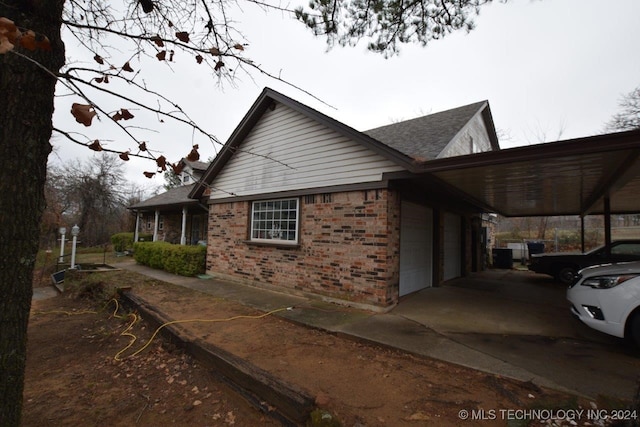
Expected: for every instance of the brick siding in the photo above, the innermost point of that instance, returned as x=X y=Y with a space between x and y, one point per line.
x=348 y=247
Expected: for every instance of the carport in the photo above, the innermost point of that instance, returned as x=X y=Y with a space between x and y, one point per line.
x=517 y=318
x=593 y=175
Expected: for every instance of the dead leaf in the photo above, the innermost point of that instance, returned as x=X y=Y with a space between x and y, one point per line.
x=219 y=65
x=7 y=26
x=199 y=59
x=124 y=156
x=171 y=53
x=214 y=51
x=157 y=40
x=83 y=113
x=5 y=45
x=9 y=35
x=142 y=146
x=150 y=175
x=161 y=55
x=194 y=155
x=95 y=146
x=147 y=5
x=28 y=40
x=42 y=42
x=238 y=46
x=162 y=163
x=177 y=168
x=183 y=36
x=127 y=67
x=122 y=114
x=98 y=59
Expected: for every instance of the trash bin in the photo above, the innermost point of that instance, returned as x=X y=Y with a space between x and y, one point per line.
x=502 y=258
x=535 y=248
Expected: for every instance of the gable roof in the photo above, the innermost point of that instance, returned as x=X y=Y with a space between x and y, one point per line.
x=393 y=145
x=427 y=136
x=172 y=198
x=196 y=165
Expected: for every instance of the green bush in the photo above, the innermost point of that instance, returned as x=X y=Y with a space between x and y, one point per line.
x=177 y=259
x=124 y=241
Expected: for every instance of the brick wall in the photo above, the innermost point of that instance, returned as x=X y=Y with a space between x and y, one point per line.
x=348 y=247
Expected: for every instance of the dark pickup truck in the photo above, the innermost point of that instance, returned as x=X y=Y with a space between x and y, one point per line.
x=564 y=266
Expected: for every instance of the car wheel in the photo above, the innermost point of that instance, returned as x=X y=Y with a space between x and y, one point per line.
x=566 y=275
x=633 y=329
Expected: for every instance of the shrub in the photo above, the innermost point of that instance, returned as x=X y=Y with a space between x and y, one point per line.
x=124 y=241
x=177 y=259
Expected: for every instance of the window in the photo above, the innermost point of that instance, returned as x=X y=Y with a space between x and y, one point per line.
x=161 y=223
x=275 y=221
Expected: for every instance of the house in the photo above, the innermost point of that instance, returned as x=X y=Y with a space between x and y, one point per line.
x=173 y=216
x=302 y=203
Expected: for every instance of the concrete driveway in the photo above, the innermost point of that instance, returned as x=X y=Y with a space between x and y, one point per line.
x=523 y=319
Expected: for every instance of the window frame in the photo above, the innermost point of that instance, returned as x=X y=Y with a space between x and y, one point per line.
x=268 y=206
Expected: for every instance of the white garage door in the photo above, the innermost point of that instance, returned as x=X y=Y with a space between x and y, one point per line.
x=452 y=246
x=416 y=236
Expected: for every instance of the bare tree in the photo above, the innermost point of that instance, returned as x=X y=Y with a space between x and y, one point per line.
x=94 y=194
x=628 y=118
x=116 y=36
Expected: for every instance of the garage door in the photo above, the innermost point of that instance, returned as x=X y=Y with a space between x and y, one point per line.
x=416 y=236
x=452 y=246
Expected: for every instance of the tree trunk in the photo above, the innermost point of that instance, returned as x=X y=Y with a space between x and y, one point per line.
x=26 y=108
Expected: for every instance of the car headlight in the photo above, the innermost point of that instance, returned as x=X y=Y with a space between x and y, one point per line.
x=606 y=282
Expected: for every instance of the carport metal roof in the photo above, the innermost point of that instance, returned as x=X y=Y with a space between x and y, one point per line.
x=572 y=177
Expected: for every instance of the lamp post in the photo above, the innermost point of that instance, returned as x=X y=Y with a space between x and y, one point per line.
x=75 y=230
x=62 y=231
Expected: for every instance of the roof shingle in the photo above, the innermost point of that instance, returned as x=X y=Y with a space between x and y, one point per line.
x=424 y=138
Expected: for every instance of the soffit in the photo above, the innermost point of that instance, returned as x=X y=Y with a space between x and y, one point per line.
x=561 y=178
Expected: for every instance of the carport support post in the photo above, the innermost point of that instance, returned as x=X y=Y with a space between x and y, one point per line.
x=582 y=233
x=607 y=224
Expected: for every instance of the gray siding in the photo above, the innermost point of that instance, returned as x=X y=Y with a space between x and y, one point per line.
x=473 y=138
x=288 y=151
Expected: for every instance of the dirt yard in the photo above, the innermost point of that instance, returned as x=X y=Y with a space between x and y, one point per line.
x=80 y=371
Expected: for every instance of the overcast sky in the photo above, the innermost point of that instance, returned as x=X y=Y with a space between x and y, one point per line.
x=549 y=69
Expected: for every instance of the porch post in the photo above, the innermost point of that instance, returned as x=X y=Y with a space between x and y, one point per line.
x=155 y=226
x=183 y=236
x=137 y=230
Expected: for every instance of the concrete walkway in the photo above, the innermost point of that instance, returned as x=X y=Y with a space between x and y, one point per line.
x=506 y=323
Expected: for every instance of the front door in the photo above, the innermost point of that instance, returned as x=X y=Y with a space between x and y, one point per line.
x=416 y=253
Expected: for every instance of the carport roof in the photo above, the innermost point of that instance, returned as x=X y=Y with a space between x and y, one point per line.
x=571 y=177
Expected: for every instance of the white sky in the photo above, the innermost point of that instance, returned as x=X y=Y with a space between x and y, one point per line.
x=547 y=68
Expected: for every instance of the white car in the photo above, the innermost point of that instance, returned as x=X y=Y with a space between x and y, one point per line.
x=607 y=298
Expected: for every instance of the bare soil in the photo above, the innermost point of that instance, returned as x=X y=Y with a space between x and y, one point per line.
x=73 y=377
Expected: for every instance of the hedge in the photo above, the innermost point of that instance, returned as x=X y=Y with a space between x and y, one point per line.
x=124 y=241
x=177 y=259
